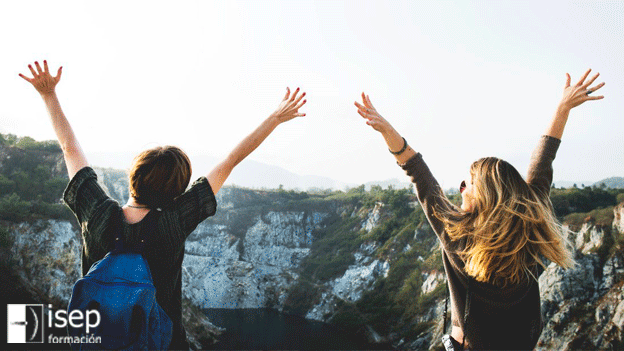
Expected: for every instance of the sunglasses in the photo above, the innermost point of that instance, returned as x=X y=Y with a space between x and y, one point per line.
x=462 y=186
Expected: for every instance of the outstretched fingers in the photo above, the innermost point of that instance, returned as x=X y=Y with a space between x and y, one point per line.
x=367 y=110
x=299 y=98
x=589 y=82
x=290 y=105
x=300 y=104
x=41 y=79
x=580 y=82
x=294 y=95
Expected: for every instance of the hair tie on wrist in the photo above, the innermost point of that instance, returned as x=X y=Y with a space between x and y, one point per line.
x=400 y=151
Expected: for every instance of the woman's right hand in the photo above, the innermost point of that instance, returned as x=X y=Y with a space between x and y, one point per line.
x=374 y=119
x=42 y=80
x=289 y=107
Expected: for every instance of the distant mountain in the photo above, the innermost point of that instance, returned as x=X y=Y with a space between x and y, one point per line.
x=249 y=173
x=612 y=182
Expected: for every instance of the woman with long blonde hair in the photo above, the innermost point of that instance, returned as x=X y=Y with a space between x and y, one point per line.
x=493 y=246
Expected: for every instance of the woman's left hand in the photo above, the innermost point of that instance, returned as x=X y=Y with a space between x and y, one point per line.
x=42 y=80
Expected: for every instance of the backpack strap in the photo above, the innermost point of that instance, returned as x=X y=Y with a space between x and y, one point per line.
x=466 y=313
x=448 y=293
x=466 y=310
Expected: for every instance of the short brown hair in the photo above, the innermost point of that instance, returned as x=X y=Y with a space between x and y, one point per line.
x=159 y=175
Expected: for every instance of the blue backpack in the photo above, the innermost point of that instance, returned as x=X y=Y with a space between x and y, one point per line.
x=121 y=289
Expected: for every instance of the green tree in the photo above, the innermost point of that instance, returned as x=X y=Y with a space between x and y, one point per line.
x=358 y=190
x=27 y=143
x=12 y=208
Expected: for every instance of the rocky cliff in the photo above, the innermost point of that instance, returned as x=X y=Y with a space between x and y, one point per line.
x=583 y=307
x=369 y=264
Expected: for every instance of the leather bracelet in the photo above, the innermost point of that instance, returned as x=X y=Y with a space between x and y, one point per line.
x=400 y=151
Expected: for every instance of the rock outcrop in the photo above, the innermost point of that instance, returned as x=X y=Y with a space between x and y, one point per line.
x=583 y=306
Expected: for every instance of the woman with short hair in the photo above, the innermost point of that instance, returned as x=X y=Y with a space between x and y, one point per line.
x=493 y=245
x=159 y=204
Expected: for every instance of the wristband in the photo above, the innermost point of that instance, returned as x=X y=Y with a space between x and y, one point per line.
x=400 y=151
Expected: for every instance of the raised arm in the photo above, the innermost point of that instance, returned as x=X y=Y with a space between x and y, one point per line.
x=572 y=97
x=287 y=110
x=540 y=168
x=430 y=194
x=396 y=144
x=45 y=84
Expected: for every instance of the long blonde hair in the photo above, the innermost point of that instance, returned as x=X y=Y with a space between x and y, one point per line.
x=509 y=229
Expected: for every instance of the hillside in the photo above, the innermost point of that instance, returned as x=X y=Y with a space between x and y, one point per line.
x=366 y=261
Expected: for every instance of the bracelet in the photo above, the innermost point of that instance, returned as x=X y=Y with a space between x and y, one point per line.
x=402 y=149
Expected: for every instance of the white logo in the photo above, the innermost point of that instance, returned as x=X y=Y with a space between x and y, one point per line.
x=24 y=323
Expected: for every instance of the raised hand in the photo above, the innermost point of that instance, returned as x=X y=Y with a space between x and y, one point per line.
x=574 y=95
x=374 y=119
x=289 y=107
x=42 y=80
x=396 y=144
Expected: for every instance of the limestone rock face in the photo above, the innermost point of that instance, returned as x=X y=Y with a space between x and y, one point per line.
x=373 y=217
x=48 y=257
x=582 y=306
x=589 y=238
x=358 y=279
x=431 y=281
x=224 y=271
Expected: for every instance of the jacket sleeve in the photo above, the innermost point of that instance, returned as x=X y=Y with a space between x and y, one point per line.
x=195 y=205
x=92 y=208
x=540 y=172
x=429 y=193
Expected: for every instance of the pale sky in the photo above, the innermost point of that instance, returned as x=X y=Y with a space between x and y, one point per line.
x=459 y=79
